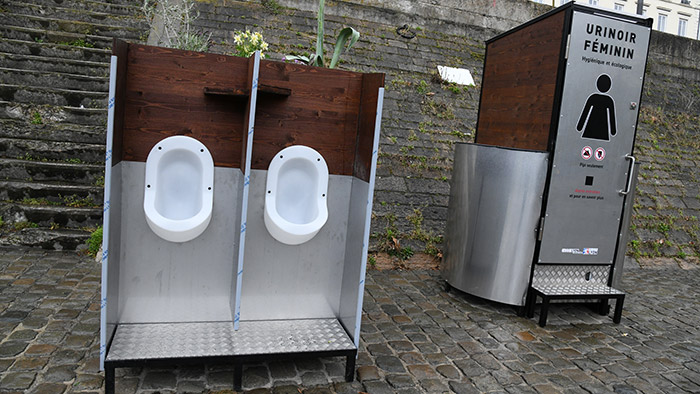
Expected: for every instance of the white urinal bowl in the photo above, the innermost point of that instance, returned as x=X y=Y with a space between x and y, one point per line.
x=295 y=198
x=179 y=190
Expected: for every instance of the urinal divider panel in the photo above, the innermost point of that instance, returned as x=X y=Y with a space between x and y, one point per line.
x=248 y=138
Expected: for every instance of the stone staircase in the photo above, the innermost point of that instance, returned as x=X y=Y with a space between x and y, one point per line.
x=54 y=80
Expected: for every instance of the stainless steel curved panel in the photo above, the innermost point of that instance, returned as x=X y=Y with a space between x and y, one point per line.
x=495 y=201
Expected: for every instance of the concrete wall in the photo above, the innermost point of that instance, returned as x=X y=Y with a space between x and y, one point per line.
x=424 y=117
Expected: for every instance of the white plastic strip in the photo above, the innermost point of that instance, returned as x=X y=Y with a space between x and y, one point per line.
x=105 y=213
x=368 y=216
x=246 y=189
x=460 y=76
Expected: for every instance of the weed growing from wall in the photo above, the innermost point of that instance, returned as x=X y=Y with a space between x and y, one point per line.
x=177 y=18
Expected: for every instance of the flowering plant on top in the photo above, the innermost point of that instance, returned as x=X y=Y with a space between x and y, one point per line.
x=247 y=43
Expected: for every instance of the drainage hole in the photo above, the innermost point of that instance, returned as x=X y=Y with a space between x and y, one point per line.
x=148 y=186
x=281 y=156
x=269 y=191
x=323 y=195
x=160 y=147
x=209 y=188
x=318 y=159
x=201 y=150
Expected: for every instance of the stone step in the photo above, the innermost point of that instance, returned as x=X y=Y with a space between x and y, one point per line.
x=57 y=37
x=45 y=238
x=41 y=63
x=55 y=114
x=38 y=171
x=51 y=216
x=134 y=19
x=52 y=96
x=116 y=7
x=37 y=150
x=50 y=193
x=24 y=77
x=80 y=28
x=57 y=52
x=44 y=129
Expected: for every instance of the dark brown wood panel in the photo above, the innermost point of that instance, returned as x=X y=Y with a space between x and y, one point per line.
x=206 y=96
x=519 y=85
x=120 y=49
x=322 y=112
x=164 y=96
x=365 y=134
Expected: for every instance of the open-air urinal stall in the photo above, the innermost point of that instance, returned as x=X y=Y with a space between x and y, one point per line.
x=238 y=197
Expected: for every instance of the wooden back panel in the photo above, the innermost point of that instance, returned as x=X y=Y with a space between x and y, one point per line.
x=519 y=85
x=164 y=97
x=321 y=112
x=332 y=111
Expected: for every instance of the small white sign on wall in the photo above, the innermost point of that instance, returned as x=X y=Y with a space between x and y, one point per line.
x=460 y=76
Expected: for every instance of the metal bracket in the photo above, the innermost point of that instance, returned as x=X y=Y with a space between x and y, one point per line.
x=540 y=229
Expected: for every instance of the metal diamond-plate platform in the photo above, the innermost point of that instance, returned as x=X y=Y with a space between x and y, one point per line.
x=570 y=274
x=592 y=289
x=184 y=340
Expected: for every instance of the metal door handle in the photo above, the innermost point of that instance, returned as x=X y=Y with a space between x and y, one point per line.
x=629 y=177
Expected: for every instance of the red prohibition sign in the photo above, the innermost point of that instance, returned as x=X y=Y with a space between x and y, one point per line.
x=586 y=152
x=599 y=154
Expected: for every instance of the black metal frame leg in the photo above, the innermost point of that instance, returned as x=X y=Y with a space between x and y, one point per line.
x=109 y=379
x=237 y=376
x=350 y=367
x=544 y=310
x=618 y=309
x=530 y=302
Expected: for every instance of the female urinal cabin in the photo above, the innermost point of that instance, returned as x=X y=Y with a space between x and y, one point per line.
x=179 y=193
x=295 y=198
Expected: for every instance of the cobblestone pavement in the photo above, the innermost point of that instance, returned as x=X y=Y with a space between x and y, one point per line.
x=415 y=338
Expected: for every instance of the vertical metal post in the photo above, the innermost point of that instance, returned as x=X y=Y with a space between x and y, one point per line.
x=246 y=188
x=105 y=211
x=368 y=216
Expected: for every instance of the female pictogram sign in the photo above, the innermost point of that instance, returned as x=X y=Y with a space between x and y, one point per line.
x=597 y=119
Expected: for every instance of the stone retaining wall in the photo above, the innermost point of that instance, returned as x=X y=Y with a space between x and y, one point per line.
x=424 y=117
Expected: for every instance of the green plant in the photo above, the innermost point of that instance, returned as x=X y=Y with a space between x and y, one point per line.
x=74 y=201
x=272 y=6
x=2 y=223
x=24 y=224
x=422 y=87
x=347 y=35
x=454 y=88
x=80 y=42
x=247 y=43
x=402 y=253
x=176 y=18
x=36 y=118
x=372 y=260
x=94 y=242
